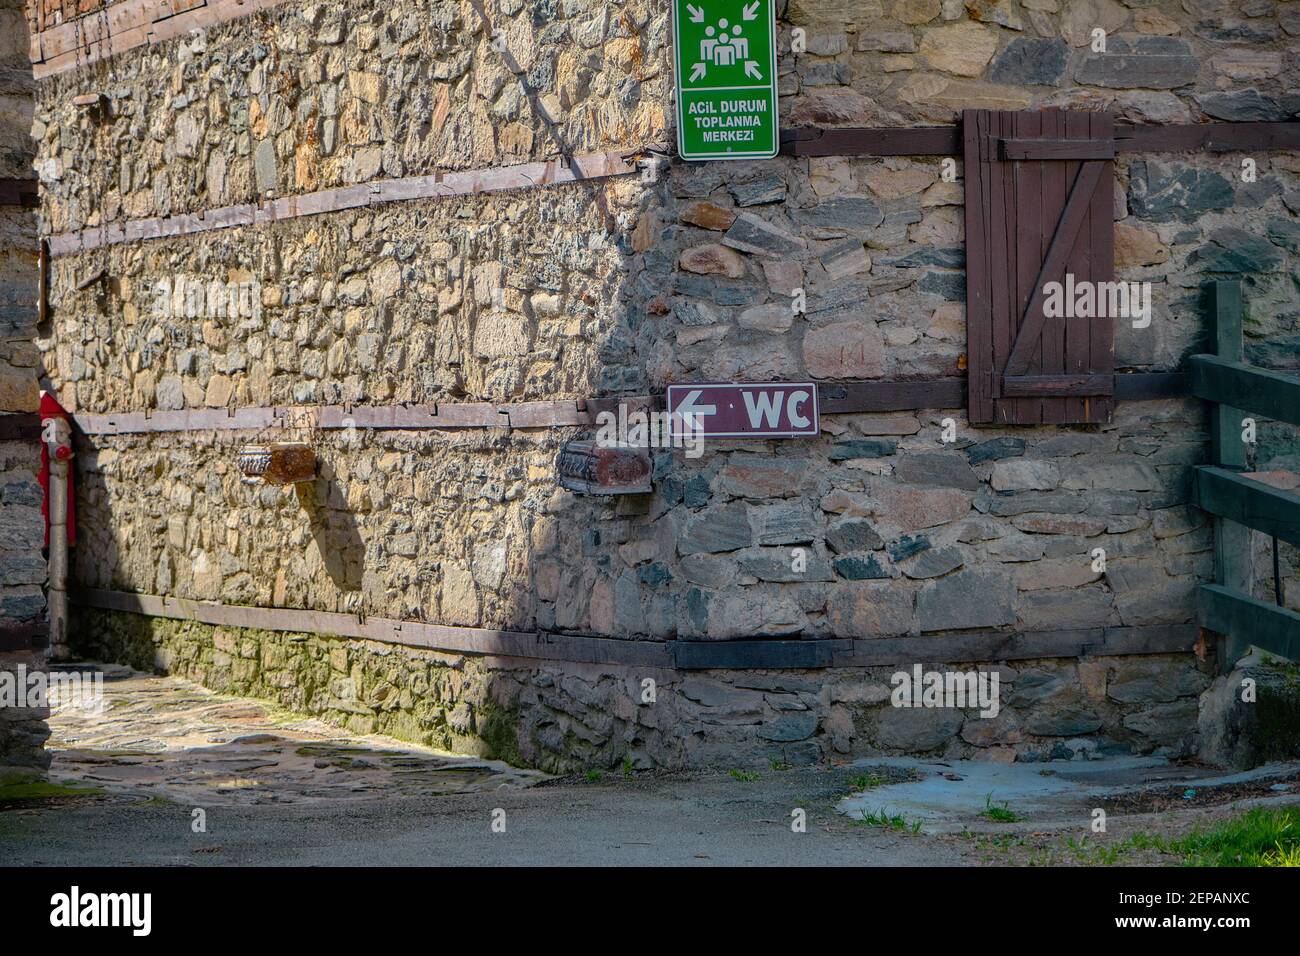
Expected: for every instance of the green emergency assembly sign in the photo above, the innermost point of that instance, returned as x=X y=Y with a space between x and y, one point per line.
x=725 y=54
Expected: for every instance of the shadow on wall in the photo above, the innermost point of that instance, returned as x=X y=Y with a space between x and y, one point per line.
x=23 y=730
x=324 y=503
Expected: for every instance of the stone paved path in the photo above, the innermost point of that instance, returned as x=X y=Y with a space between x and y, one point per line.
x=170 y=738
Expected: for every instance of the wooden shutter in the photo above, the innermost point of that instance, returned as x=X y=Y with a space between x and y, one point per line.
x=1039 y=204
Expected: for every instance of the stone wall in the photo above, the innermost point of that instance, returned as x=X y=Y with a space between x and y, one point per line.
x=564 y=717
x=622 y=287
x=902 y=535
x=304 y=97
x=22 y=567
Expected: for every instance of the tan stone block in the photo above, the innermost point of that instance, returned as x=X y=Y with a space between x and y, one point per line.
x=713 y=259
x=458 y=599
x=837 y=107
x=845 y=350
x=829 y=175
x=944 y=194
x=220 y=388
x=1081 y=17
x=1138 y=247
x=707 y=215
x=1155 y=23
x=948 y=323
x=1241 y=64
x=783 y=277
x=646 y=232
x=914 y=12
x=963 y=48
x=897 y=183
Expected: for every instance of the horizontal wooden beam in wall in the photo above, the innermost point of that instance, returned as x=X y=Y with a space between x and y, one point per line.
x=1129 y=138
x=487 y=642
x=744 y=655
x=1206 y=137
x=554 y=172
x=834 y=398
x=547 y=414
x=892 y=396
x=979 y=646
x=872 y=141
x=120 y=27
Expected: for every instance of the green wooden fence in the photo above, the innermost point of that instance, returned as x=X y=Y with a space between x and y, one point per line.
x=1237 y=502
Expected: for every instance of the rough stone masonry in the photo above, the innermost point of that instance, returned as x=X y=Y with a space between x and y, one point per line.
x=619 y=287
x=22 y=567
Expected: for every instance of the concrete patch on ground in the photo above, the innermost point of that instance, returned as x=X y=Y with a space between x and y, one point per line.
x=170 y=738
x=955 y=796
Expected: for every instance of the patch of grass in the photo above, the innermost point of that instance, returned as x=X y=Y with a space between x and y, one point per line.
x=779 y=765
x=999 y=813
x=866 y=781
x=890 y=821
x=593 y=776
x=744 y=776
x=36 y=789
x=1259 y=837
x=627 y=766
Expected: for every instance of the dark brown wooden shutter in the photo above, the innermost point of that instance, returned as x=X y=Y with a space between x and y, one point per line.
x=1039 y=204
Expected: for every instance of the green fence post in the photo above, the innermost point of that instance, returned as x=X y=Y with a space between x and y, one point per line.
x=1232 y=555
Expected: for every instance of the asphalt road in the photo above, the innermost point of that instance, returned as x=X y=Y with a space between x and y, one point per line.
x=670 y=820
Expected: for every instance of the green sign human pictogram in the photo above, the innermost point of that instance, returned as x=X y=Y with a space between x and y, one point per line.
x=725 y=58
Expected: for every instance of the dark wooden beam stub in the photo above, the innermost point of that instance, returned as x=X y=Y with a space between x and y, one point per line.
x=872 y=141
x=19 y=192
x=20 y=426
x=891 y=396
x=742 y=655
x=32 y=636
x=1148 y=386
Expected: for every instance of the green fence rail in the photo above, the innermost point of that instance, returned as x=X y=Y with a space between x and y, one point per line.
x=1237 y=501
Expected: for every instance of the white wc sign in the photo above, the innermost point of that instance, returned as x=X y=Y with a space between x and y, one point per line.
x=744 y=410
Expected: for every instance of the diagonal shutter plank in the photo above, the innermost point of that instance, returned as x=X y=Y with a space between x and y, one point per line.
x=1053 y=269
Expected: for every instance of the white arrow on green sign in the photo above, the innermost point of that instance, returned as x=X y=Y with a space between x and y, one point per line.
x=725 y=59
